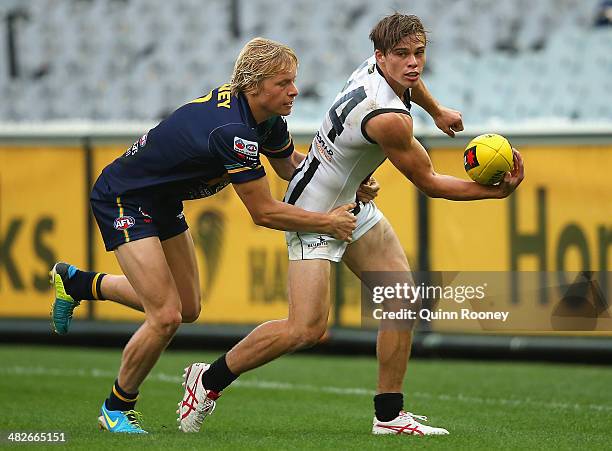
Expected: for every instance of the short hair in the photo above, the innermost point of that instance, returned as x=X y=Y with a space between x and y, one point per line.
x=259 y=59
x=390 y=30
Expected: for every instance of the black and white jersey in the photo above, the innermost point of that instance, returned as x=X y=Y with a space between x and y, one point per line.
x=341 y=155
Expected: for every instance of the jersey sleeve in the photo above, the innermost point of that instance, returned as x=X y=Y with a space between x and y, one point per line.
x=238 y=153
x=278 y=143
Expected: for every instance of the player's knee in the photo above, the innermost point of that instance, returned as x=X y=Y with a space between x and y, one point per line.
x=167 y=322
x=306 y=336
x=192 y=314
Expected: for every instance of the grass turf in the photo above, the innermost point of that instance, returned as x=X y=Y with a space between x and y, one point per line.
x=313 y=402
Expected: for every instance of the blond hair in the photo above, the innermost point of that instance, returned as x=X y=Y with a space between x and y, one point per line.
x=259 y=59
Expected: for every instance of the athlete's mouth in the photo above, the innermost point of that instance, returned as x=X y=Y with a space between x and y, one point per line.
x=412 y=74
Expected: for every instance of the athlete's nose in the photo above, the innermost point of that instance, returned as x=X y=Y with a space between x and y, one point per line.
x=411 y=61
x=293 y=90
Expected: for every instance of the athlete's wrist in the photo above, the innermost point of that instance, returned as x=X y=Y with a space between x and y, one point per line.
x=327 y=223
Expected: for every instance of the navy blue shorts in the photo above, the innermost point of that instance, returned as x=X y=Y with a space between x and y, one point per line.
x=135 y=216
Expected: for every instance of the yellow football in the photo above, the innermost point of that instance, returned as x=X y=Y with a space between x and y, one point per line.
x=487 y=158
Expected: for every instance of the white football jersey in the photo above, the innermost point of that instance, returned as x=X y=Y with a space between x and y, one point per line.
x=341 y=155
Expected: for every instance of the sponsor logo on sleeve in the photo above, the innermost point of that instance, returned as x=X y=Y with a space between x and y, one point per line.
x=245 y=147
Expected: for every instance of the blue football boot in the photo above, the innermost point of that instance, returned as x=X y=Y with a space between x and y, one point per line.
x=127 y=422
x=64 y=304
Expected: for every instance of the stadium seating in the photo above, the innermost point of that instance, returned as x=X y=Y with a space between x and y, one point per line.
x=113 y=60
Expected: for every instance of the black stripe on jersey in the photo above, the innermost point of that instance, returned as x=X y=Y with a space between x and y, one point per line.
x=371 y=114
x=301 y=185
x=301 y=244
x=299 y=168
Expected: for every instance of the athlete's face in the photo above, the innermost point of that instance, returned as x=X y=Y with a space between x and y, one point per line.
x=404 y=63
x=275 y=95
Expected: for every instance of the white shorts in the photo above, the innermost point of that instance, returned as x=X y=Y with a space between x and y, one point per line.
x=311 y=246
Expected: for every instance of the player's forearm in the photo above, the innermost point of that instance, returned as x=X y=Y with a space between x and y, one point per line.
x=453 y=188
x=288 y=166
x=297 y=158
x=282 y=216
x=422 y=97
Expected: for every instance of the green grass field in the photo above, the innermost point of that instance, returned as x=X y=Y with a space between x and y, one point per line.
x=313 y=402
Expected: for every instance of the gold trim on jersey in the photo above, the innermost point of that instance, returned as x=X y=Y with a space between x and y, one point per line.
x=206 y=98
x=233 y=171
x=267 y=149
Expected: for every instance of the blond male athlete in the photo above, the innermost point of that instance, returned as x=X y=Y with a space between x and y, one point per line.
x=369 y=122
x=203 y=146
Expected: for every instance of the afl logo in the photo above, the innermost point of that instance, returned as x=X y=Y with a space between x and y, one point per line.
x=124 y=222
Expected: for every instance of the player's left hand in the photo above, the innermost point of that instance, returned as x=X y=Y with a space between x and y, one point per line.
x=449 y=121
x=368 y=190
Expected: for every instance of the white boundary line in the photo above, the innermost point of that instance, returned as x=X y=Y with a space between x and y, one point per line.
x=286 y=386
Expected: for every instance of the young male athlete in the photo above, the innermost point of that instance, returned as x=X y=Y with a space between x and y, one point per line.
x=137 y=201
x=369 y=122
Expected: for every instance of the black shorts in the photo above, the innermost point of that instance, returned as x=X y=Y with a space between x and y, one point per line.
x=135 y=216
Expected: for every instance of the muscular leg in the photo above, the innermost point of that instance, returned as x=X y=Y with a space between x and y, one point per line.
x=180 y=255
x=305 y=325
x=145 y=266
x=117 y=288
x=380 y=250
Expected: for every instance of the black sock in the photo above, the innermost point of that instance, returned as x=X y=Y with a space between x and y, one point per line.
x=120 y=399
x=218 y=376
x=84 y=285
x=388 y=405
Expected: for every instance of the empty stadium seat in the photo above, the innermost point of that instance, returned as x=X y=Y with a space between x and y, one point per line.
x=140 y=59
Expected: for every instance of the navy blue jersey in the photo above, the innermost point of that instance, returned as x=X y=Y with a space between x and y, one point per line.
x=198 y=150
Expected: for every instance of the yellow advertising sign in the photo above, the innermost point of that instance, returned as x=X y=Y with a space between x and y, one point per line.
x=559 y=220
x=42 y=199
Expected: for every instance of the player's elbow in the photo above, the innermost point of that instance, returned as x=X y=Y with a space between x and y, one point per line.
x=432 y=192
x=262 y=220
x=261 y=217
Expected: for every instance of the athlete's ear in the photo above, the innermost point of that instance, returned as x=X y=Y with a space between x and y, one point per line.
x=380 y=56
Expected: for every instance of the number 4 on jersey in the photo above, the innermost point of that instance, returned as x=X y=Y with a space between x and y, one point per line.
x=352 y=99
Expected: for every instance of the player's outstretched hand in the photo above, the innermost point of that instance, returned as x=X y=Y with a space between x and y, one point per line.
x=343 y=222
x=514 y=178
x=368 y=190
x=449 y=121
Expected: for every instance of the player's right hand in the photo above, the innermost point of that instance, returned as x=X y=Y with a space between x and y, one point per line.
x=343 y=222
x=513 y=179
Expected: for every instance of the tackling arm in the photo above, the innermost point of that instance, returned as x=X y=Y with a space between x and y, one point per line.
x=393 y=132
x=285 y=167
x=269 y=212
